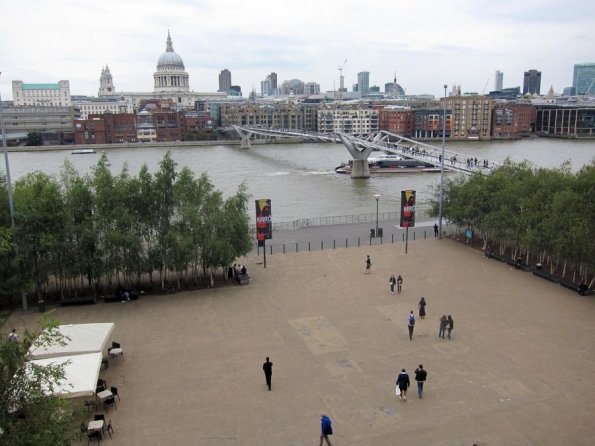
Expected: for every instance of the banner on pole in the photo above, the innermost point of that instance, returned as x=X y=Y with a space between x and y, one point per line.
x=407 y=209
x=264 y=223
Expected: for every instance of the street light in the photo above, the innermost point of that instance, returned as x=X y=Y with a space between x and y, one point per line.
x=377 y=196
x=442 y=165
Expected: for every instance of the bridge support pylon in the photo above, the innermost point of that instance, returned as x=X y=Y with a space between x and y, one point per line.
x=245 y=136
x=360 y=169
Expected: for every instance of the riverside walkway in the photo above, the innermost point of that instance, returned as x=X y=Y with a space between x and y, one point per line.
x=518 y=370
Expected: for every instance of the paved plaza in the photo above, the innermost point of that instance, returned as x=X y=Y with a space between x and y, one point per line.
x=519 y=370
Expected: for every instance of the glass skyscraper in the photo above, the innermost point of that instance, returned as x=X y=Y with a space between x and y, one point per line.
x=583 y=80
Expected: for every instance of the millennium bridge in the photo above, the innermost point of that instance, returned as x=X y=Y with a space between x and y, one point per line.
x=361 y=146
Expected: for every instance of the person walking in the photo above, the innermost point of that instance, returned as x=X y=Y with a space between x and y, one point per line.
x=268 y=371
x=420 y=377
x=368 y=264
x=326 y=428
x=422 y=308
x=399 y=284
x=443 y=324
x=410 y=324
x=450 y=326
x=403 y=384
x=391 y=283
x=435 y=230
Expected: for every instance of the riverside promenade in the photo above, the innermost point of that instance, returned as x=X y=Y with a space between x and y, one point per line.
x=519 y=369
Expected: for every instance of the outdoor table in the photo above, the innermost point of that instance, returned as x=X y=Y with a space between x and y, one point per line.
x=104 y=394
x=116 y=351
x=96 y=425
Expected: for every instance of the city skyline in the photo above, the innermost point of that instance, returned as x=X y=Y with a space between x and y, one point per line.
x=425 y=44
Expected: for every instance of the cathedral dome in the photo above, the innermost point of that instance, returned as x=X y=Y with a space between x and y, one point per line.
x=170 y=59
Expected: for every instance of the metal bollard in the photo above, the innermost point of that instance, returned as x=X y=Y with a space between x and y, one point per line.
x=403 y=236
x=283 y=248
x=322 y=245
x=308 y=246
x=296 y=247
x=392 y=238
x=425 y=234
x=271 y=249
x=334 y=244
x=358 y=242
x=413 y=235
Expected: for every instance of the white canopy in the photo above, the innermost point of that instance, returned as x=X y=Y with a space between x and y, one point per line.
x=80 y=372
x=80 y=339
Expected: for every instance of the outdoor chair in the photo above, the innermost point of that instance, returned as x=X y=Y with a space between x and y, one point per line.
x=99 y=416
x=102 y=383
x=93 y=435
x=110 y=401
x=110 y=429
x=116 y=345
x=115 y=392
x=83 y=431
x=90 y=404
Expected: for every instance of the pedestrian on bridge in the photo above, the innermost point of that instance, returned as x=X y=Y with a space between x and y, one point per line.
x=411 y=324
x=368 y=264
x=435 y=230
x=399 y=284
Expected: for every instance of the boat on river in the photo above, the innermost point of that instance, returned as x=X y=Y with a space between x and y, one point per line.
x=391 y=164
x=82 y=151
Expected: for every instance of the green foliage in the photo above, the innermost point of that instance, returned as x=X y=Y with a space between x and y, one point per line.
x=29 y=413
x=84 y=231
x=33 y=139
x=547 y=212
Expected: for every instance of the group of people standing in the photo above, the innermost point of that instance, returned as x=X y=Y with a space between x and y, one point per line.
x=446 y=326
x=398 y=282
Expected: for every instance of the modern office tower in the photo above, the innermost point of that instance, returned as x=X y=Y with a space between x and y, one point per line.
x=265 y=87
x=274 y=87
x=568 y=91
x=498 y=80
x=311 y=88
x=224 y=81
x=583 y=79
x=44 y=95
x=363 y=82
x=532 y=82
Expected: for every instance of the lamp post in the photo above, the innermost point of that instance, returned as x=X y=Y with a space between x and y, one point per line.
x=9 y=184
x=377 y=196
x=442 y=166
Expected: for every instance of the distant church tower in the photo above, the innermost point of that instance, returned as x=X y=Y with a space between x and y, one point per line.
x=106 y=83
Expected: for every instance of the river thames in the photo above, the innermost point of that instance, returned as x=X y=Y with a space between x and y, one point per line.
x=300 y=178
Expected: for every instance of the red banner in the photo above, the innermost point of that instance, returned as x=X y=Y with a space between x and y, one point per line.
x=407 y=208
x=264 y=222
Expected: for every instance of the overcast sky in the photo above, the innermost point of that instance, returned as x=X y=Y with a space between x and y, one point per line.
x=427 y=43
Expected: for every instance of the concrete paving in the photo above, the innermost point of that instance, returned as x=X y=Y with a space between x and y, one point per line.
x=519 y=369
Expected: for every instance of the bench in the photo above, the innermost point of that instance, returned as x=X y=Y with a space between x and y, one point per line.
x=77 y=300
x=117 y=297
x=545 y=275
x=498 y=257
x=580 y=288
x=243 y=279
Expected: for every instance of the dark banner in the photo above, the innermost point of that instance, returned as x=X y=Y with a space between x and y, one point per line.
x=264 y=223
x=407 y=208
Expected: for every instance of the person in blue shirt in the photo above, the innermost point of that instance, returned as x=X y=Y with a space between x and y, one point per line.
x=326 y=429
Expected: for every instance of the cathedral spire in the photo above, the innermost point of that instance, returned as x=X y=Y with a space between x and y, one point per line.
x=169 y=48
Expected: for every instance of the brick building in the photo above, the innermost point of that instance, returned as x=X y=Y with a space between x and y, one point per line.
x=472 y=117
x=106 y=128
x=511 y=120
x=399 y=120
x=428 y=123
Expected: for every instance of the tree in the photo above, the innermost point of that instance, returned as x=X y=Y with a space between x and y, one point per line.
x=33 y=139
x=39 y=229
x=30 y=414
